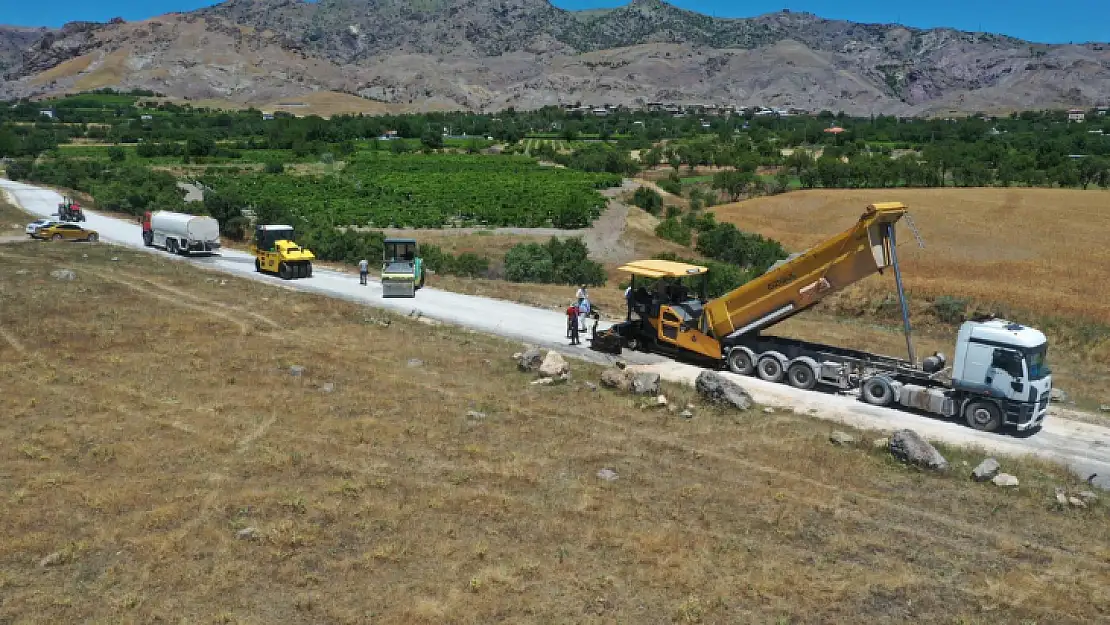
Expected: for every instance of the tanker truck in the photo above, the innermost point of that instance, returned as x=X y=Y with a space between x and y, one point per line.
x=180 y=233
x=997 y=378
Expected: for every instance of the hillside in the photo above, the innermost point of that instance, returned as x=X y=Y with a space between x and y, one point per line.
x=488 y=54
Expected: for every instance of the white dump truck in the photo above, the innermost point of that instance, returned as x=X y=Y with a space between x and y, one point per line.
x=180 y=233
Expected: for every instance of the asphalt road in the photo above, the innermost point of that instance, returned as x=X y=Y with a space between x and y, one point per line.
x=1083 y=448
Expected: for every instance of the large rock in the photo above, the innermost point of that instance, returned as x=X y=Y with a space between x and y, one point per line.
x=909 y=447
x=64 y=274
x=616 y=378
x=530 y=360
x=554 y=365
x=1005 y=480
x=986 y=470
x=645 y=383
x=719 y=390
x=842 y=438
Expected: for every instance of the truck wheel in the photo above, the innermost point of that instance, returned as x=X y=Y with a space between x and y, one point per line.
x=770 y=369
x=56 y=237
x=308 y=270
x=91 y=238
x=171 y=246
x=877 y=392
x=800 y=375
x=258 y=265
x=984 y=416
x=740 y=362
x=284 y=272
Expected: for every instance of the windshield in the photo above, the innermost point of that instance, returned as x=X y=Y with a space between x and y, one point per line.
x=1037 y=361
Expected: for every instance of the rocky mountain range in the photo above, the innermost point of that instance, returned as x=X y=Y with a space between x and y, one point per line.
x=489 y=54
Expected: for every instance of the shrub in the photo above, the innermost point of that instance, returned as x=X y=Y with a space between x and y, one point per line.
x=674 y=230
x=950 y=309
x=725 y=242
x=556 y=262
x=648 y=200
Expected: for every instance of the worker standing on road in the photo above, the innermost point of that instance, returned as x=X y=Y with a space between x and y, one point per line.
x=363 y=271
x=583 y=311
x=581 y=294
x=572 y=324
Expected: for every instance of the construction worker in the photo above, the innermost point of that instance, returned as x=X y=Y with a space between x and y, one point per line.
x=583 y=310
x=572 y=323
x=363 y=271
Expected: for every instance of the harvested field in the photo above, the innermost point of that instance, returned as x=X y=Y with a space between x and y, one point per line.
x=162 y=463
x=1035 y=255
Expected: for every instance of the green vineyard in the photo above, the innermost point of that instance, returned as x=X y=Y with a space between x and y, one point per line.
x=428 y=191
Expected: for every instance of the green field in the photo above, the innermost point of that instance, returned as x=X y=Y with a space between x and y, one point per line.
x=429 y=190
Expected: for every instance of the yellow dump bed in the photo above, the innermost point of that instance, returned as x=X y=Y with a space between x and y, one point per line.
x=801 y=281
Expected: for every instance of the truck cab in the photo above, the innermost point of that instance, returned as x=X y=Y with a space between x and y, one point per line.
x=1002 y=363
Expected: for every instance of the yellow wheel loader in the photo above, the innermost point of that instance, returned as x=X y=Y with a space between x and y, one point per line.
x=276 y=252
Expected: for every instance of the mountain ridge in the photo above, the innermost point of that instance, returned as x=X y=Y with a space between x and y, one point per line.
x=488 y=54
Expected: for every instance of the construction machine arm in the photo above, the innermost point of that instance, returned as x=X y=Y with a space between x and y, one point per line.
x=801 y=282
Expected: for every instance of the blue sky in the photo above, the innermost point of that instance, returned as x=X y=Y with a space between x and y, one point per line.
x=1036 y=20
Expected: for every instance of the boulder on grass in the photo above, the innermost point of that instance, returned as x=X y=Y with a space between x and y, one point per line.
x=530 y=360
x=616 y=378
x=719 y=390
x=554 y=365
x=645 y=383
x=909 y=447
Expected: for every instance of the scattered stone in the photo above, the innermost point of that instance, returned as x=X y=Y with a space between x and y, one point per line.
x=768 y=410
x=1088 y=495
x=84 y=256
x=881 y=443
x=661 y=401
x=328 y=387
x=554 y=365
x=616 y=378
x=591 y=386
x=909 y=447
x=1061 y=497
x=1077 y=502
x=986 y=470
x=690 y=406
x=248 y=533
x=530 y=360
x=296 y=371
x=21 y=272
x=53 y=559
x=415 y=362
x=686 y=414
x=607 y=474
x=722 y=391
x=1005 y=480
x=645 y=383
x=543 y=382
x=115 y=259
x=842 y=438
x=474 y=414
x=1058 y=395
x=63 y=274
x=620 y=364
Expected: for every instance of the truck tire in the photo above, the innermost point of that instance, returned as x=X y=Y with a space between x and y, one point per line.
x=770 y=368
x=801 y=375
x=983 y=416
x=308 y=270
x=284 y=272
x=56 y=237
x=740 y=361
x=171 y=246
x=877 y=391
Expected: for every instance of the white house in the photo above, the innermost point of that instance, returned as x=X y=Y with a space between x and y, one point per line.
x=1077 y=115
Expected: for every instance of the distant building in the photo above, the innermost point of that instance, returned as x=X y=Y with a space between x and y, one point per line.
x=146 y=118
x=267 y=116
x=1077 y=115
x=1102 y=110
x=600 y=112
x=834 y=130
x=47 y=113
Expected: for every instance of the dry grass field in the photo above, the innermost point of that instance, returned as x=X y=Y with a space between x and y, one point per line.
x=1036 y=255
x=161 y=463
